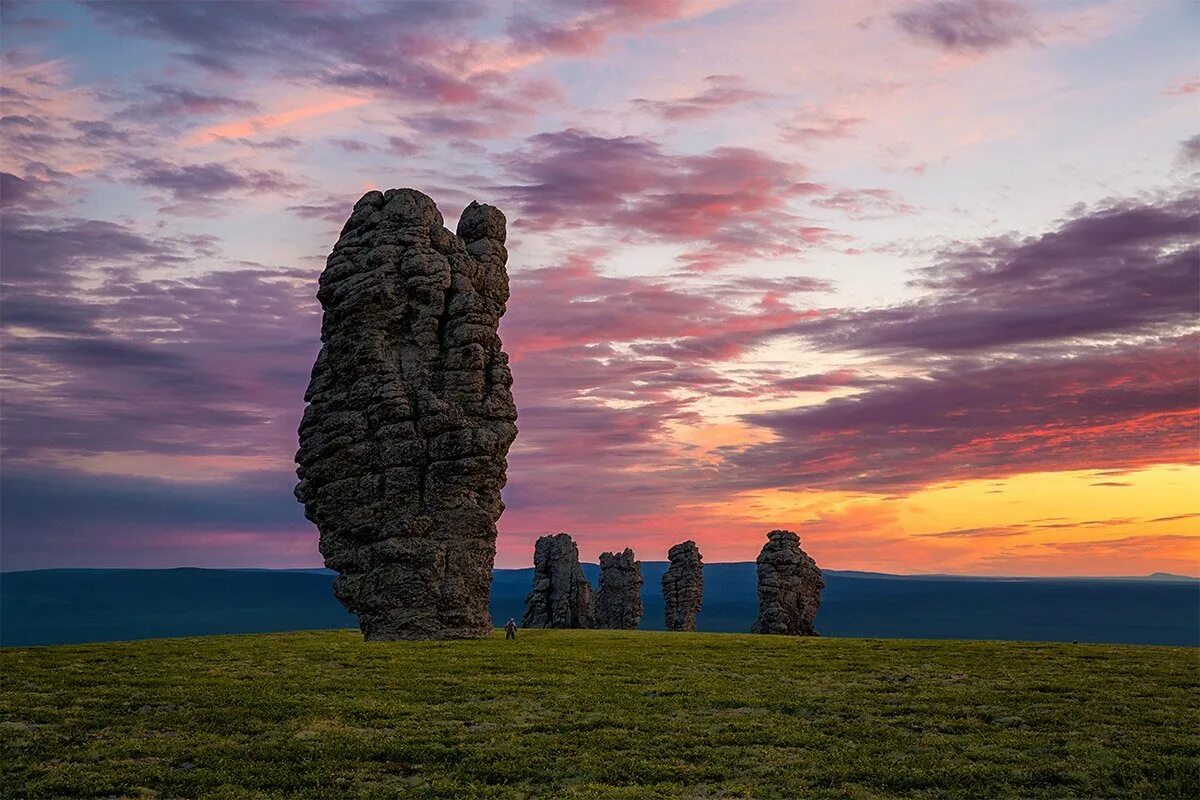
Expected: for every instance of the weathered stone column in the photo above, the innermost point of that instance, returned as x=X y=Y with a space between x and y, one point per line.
x=619 y=603
x=683 y=586
x=410 y=416
x=561 y=597
x=789 y=587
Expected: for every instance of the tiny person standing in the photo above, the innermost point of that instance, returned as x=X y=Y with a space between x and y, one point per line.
x=510 y=629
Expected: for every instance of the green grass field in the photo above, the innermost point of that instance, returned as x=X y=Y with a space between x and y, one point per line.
x=592 y=714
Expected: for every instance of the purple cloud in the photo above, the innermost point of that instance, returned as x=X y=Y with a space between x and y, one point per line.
x=722 y=91
x=165 y=100
x=417 y=50
x=201 y=182
x=582 y=28
x=1124 y=408
x=730 y=202
x=98 y=133
x=979 y=25
x=211 y=373
x=1189 y=150
x=353 y=146
x=861 y=204
x=1059 y=351
x=25 y=193
x=42 y=251
x=809 y=127
x=1125 y=267
x=70 y=518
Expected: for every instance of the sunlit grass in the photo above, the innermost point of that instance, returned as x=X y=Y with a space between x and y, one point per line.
x=590 y=714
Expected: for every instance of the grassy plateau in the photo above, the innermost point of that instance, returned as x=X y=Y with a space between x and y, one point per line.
x=598 y=714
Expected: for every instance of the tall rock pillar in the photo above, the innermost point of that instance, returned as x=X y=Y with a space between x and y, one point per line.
x=410 y=416
x=619 y=603
x=789 y=587
x=683 y=586
x=561 y=597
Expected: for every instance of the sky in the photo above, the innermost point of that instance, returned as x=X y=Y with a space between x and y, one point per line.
x=916 y=280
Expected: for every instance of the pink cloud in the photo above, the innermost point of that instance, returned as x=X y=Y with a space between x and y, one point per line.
x=721 y=92
x=581 y=29
x=1126 y=408
x=812 y=126
x=1190 y=86
x=733 y=201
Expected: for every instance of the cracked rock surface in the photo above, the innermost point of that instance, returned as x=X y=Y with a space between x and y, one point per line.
x=789 y=587
x=410 y=416
x=619 y=602
x=683 y=586
x=561 y=597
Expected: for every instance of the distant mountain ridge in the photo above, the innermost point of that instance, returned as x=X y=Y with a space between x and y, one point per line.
x=849 y=573
x=78 y=605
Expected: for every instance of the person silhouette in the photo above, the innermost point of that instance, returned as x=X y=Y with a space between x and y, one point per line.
x=510 y=629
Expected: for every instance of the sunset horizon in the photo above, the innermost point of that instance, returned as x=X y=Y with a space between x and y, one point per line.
x=916 y=281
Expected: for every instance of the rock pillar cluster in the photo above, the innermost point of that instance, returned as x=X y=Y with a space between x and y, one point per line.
x=683 y=586
x=789 y=587
x=561 y=596
x=404 y=440
x=410 y=416
x=619 y=603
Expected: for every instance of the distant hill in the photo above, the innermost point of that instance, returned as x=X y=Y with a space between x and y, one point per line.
x=64 y=606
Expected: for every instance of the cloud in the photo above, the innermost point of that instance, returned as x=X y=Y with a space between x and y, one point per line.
x=721 y=92
x=96 y=133
x=731 y=201
x=51 y=127
x=581 y=28
x=278 y=143
x=9 y=17
x=859 y=204
x=1175 y=517
x=398 y=145
x=977 y=533
x=420 y=50
x=166 y=100
x=330 y=209
x=822 y=382
x=26 y=193
x=1121 y=408
x=1190 y=86
x=1066 y=350
x=1123 y=267
x=204 y=182
x=49 y=500
x=101 y=359
x=1189 y=150
x=60 y=517
x=52 y=252
x=601 y=391
x=437 y=125
x=353 y=146
x=967 y=25
x=596 y=310
x=812 y=126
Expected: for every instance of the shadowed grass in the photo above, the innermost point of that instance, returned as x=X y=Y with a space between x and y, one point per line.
x=598 y=714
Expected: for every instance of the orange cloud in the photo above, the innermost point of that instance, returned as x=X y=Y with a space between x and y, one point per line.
x=262 y=123
x=1064 y=523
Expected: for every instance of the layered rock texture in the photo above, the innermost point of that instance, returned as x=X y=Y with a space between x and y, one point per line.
x=410 y=416
x=619 y=602
x=561 y=596
x=683 y=586
x=789 y=587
